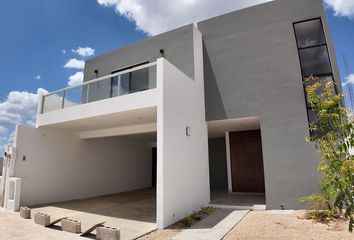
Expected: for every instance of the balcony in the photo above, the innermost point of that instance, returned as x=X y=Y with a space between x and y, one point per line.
x=134 y=80
x=115 y=100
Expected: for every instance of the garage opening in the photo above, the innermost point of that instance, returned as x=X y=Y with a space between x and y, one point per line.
x=119 y=179
x=236 y=163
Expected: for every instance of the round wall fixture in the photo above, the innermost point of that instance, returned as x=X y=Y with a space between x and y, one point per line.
x=188 y=131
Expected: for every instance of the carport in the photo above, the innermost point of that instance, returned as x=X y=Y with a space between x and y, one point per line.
x=100 y=148
x=134 y=212
x=92 y=180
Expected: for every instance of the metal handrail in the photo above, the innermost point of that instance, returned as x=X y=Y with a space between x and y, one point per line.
x=101 y=78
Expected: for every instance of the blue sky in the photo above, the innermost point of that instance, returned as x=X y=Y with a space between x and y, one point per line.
x=38 y=38
x=34 y=33
x=342 y=32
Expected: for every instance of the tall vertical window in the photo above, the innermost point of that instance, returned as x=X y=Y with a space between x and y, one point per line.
x=313 y=56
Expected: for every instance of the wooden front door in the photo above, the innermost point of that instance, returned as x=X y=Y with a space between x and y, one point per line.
x=247 y=161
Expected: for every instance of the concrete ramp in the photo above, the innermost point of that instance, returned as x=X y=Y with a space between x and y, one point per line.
x=214 y=227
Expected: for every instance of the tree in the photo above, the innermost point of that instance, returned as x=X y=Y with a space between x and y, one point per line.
x=332 y=133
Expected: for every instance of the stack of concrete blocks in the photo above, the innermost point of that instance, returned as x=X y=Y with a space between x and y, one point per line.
x=42 y=219
x=107 y=233
x=25 y=212
x=70 y=225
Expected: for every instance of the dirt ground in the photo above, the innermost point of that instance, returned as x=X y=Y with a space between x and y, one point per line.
x=166 y=234
x=255 y=225
x=264 y=225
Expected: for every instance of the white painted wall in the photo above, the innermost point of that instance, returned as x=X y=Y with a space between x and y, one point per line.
x=60 y=166
x=182 y=161
x=119 y=131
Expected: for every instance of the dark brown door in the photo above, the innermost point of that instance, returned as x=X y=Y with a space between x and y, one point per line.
x=247 y=161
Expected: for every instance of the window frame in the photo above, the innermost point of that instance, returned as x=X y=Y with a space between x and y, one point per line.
x=331 y=74
x=309 y=20
x=130 y=75
x=299 y=50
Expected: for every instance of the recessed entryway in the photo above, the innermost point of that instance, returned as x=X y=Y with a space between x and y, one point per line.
x=236 y=162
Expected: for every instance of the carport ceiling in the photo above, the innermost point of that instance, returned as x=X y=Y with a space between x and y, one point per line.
x=119 y=119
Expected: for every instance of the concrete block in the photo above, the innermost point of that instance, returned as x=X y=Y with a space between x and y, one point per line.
x=42 y=219
x=107 y=233
x=25 y=212
x=70 y=225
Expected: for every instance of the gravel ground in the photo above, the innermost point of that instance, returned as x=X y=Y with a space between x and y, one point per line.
x=264 y=225
x=161 y=234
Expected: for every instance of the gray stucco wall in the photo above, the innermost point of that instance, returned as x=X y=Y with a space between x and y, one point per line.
x=252 y=69
x=177 y=44
x=217 y=164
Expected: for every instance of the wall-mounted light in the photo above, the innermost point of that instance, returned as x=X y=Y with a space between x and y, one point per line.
x=97 y=83
x=188 y=131
x=162 y=52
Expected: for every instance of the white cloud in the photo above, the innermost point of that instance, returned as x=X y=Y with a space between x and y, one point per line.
x=343 y=8
x=349 y=80
x=75 y=63
x=38 y=77
x=156 y=16
x=63 y=51
x=84 y=52
x=17 y=108
x=3 y=131
x=75 y=79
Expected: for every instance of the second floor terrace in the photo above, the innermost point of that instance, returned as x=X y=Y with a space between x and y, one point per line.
x=104 y=97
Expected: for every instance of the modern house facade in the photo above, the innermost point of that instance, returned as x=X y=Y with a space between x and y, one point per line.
x=213 y=107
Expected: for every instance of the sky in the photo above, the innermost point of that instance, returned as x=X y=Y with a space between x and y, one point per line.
x=43 y=44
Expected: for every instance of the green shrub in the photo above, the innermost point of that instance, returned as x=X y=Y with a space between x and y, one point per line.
x=332 y=133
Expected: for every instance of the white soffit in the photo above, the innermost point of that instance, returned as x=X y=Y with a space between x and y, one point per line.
x=120 y=119
x=218 y=128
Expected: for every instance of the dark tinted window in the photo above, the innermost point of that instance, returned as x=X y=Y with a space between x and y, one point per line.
x=312 y=116
x=309 y=33
x=120 y=85
x=139 y=80
x=315 y=61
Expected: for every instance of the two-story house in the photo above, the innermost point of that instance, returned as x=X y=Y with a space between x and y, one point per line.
x=208 y=113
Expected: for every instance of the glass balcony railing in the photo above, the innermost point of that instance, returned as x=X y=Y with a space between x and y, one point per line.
x=118 y=84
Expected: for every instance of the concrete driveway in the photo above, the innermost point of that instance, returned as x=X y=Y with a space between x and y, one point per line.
x=134 y=213
x=12 y=227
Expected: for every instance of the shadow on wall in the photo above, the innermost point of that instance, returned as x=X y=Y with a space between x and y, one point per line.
x=217 y=164
x=214 y=107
